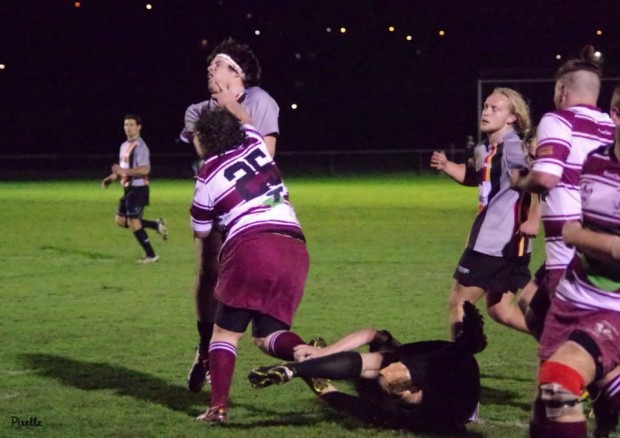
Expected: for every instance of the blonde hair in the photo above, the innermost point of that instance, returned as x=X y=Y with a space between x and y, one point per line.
x=519 y=108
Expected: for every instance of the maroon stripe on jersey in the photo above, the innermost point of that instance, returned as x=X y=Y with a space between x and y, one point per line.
x=570 y=176
x=226 y=203
x=552 y=148
x=212 y=166
x=553 y=228
x=564 y=116
x=597 y=164
x=201 y=214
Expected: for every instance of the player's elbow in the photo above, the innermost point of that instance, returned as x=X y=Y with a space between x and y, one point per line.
x=543 y=182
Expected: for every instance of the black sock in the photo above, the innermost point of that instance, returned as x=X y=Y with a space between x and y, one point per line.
x=143 y=240
x=205 y=329
x=339 y=366
x=150 y=224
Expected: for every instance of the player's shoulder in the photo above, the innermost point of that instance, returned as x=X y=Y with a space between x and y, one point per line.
x=257 y=94
x=196 y=108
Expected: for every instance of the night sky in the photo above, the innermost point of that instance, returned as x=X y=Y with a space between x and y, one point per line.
x=69 y=74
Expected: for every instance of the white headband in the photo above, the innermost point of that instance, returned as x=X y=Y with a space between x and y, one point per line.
x=232 y=63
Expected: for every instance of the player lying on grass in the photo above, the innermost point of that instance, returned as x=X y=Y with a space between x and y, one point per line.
x=421 y=385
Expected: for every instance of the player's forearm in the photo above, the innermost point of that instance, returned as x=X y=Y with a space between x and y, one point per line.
x=270 y=142
x=352 y=341
x=140 y=171
x=238 y=111
x=537 y=182
x=456 y=171
x=602 y=246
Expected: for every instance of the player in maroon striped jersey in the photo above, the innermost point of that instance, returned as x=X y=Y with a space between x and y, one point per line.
x=233 y=75
x=564 y=138
x=580 y=342
x=263 y=262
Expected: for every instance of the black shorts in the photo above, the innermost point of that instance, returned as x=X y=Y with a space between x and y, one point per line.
x=132 y=204
x=493 y=274
x=237 y=320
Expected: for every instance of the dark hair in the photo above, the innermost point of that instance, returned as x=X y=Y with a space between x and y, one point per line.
x=219 y=131
x=242 y=55
x=135 y=117
x=586 y=61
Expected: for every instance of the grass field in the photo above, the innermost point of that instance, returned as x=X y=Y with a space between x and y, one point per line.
x=94 y=344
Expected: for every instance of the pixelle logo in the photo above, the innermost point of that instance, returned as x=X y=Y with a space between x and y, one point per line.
x=30 y=422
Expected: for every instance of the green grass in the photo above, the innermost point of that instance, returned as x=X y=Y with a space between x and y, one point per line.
x=95 y=345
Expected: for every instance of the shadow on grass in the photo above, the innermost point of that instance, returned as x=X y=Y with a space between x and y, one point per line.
x=494 y=396
x=91 y=376
x=76 y=252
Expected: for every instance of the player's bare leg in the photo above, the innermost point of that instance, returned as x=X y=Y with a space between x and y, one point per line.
x=206 y=304
x=503 y=309
x=458 y=296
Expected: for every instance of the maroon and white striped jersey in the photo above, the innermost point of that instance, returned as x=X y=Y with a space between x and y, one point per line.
x=241 y=191
x=564 y=139
x=589 y=283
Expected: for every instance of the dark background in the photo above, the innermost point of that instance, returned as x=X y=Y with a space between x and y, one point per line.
x=72 y=73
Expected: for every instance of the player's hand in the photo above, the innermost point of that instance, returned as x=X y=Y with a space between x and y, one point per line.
x=223 y=95
x=105 y=182
x=303 y=352
x=439 y=160
x=530 y=228
x=516 y=175
x=570 y=230
x=118 y=170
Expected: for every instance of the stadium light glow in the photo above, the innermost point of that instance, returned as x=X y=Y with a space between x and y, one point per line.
x=343 y=30
x=77 y=4
x=599 y=32
x=2 y=66
x=442 y=32
x=409 y=37
x=257 y=32
x=149 y=6
x=328 y=30
x=294 y=106
x=558 y=56
x=391 y=28
x=598 y=55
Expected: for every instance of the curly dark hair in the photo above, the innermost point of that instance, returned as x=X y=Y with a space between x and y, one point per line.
x=586 y=61
x=242 y=55
x=219 y=131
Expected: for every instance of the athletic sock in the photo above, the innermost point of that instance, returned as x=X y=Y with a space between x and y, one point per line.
x=282 y=343
x=205 y=330
x=143 y=240
x=150 y=224
x=338 y=366
x=612 y=391
x=222 y=359
x=578 y=429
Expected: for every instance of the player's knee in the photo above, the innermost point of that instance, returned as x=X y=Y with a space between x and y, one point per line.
x=121 y=221
x=560 y=389
x=498 y=314
x=262 y=344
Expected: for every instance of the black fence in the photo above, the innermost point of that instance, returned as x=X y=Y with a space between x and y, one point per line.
x=28 y=167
